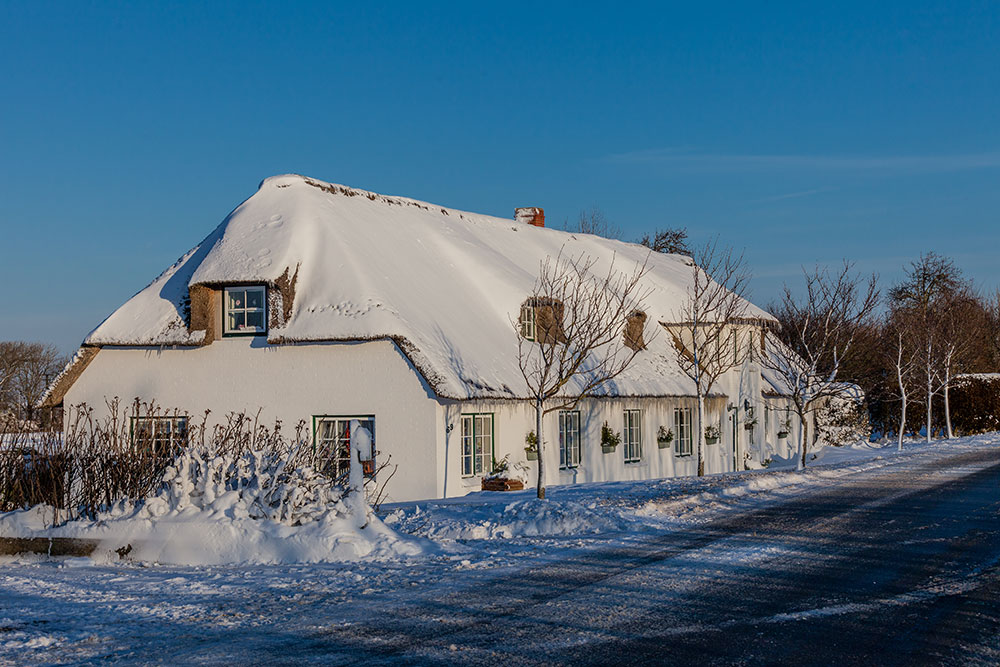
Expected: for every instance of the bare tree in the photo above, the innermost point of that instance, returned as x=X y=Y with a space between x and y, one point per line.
x=593 y=221
x=706 y=329
x=12 y=355
x=817 y=337
x=25 y=371
x=671 y=240
x=934 y=299
x=572 y=334
x=39 y=363
x=903 y=359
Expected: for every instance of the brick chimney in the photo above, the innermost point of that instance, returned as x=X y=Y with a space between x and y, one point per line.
x=531 y=215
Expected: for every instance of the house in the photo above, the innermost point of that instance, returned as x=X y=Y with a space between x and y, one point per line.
x=319 y=302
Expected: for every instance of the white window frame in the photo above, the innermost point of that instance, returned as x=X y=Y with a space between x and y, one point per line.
x=476 y=438
x=338 y=464
x=244 y=310
x=527 y=320
x=683 y=441
x=632 y=435
x=569 y=439
x=166 y=436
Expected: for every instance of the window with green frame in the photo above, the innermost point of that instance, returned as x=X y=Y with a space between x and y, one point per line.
x=683 y=441
x=477 y=444
x=632 y=436
x=569 y=438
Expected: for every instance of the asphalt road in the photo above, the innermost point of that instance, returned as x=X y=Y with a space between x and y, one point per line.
x=892 y=568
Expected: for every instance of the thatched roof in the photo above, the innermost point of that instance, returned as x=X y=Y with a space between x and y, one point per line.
x=444 y=284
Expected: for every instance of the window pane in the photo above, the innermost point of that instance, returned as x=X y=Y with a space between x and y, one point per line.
x=237 y=320
x=255 y=298
x=237 y=298
x=255 y=319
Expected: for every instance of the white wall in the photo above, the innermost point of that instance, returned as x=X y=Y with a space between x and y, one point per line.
x=289 y=382
x=512 y=421
x=297 y=382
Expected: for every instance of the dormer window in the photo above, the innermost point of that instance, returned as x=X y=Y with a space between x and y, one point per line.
x=528 y=322
x=245 y=310
x=541 y=320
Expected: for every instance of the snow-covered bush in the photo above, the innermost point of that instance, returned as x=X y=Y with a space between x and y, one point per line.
x=248 y=469
x=505 y=469
x=844 y=419
x=271 y=483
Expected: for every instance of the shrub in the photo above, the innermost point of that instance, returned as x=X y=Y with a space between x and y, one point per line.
x=975 y=403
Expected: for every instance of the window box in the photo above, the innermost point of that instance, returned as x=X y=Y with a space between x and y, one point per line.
x=609 y=439
x=502 y=484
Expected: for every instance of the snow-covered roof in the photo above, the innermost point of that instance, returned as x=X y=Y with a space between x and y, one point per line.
x=443 y=283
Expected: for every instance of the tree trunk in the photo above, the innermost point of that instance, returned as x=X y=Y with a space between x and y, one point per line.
x=902 y=416
x=802 y=438
x=947 y=408
x=701 y=432
x=930 y=400
x=541 y=449
x=902 y=424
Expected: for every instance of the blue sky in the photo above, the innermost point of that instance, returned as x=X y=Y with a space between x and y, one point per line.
x=853 y=130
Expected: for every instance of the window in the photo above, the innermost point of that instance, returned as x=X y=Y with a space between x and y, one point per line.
x=245 y=310
x=632 y=436
x=162 y=436
x=332 y=445
x=528 y=322
x=569 y=438
x=683 y=445
x=541 y=320
x=477 y=444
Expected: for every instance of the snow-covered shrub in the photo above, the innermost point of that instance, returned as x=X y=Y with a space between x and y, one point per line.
x=844 y=419
x=265 y=482
x=247 y=468
x=505 y=469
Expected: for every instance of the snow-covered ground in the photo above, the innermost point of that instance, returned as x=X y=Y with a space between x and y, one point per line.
x=73 y=609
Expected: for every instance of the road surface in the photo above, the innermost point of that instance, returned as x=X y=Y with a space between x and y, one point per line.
x=898 y=568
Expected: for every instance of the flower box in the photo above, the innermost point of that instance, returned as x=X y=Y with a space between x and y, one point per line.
x=531 y=454
x=608 y=449
x=501 y=484
x=663 y=444
x=711 y=441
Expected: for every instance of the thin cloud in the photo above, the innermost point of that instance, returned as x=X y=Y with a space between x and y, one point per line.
x=792 y=195
x=679 y=158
